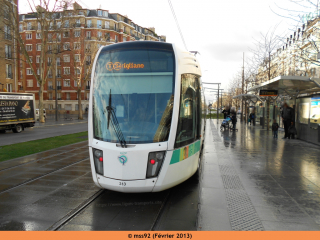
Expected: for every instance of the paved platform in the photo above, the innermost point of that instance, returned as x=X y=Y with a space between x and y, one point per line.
x=251 y=181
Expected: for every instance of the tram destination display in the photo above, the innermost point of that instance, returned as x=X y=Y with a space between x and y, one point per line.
x=268 y=93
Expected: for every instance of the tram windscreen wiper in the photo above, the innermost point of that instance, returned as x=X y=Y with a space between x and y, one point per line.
x=115 y=123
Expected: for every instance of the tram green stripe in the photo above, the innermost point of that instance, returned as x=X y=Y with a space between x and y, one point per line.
x=181 y=154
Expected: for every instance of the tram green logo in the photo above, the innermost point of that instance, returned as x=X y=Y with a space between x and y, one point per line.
x=123 y=159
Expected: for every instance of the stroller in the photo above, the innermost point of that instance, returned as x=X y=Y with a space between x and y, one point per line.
x=225 y=123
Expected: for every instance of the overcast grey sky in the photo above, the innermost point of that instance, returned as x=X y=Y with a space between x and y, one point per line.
x=220 y=30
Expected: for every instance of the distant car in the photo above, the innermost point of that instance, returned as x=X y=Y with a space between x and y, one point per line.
x=44 y=114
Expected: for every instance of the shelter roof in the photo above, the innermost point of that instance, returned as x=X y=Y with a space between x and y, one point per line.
x=290 y=85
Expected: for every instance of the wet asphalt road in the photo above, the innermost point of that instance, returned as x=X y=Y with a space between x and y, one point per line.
x=40 y=131
x=248 y=181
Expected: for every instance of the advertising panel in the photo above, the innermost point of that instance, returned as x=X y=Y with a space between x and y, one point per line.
x=16 y=108
x=315 y=110
x=304 y=113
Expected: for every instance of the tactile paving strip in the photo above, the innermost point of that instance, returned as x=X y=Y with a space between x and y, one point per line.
x=243 y=216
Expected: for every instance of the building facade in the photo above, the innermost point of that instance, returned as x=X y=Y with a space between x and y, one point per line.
x=8 y=46
x=73 y=38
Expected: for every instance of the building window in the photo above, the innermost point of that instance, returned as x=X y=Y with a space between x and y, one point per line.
x=99 y=24
x=107 y=25
x=38 y=35
x=76 y=46
x=66 y=58
x=50 y=87
x=30 y=83
x=66 y=83
x=68 y=96
x=29 y=47
x=99 y=34
x=66 y=24
x=77 y=71
x=99 y=12
x=9 y=71
x=105 y=13
x=77 y=57
x=58 y=24
x=39 y=26
x=30 y=59
x=38 y=71
x=38 y=59
x=28 y=36
x=66 y=34
x=8 y=52
x=66 y=46
x=88 y=35
x=77 y=33
x=38 y=47
x=89 y=23
x=50 y=95
x=29 y=72
x=59 y=98
x=76 y=83
x=66 y=70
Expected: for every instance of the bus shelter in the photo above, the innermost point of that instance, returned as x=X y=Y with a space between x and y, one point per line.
x=251 y=103
x=301 y=93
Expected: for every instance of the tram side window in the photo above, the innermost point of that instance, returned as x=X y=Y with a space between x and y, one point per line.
x=189 y=114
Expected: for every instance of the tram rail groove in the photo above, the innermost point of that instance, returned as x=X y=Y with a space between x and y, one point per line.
x=36 y=178
x=32 y=161
x=161 y=210
x=73 y=213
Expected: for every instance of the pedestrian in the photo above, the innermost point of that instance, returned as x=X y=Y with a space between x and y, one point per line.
x=252 y=118
x=275 y=127
x=292 y=131
x=287 y=117
x=86 y=109
x=234 y=120
x=226 y=112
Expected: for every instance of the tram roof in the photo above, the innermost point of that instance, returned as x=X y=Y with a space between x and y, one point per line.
x=290 y=85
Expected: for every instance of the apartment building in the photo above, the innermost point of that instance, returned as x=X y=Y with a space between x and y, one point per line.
x=8 y=46
x=72 y=40
x=298 y=56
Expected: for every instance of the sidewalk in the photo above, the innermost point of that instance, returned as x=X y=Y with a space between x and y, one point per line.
x=251 y=181
x=72 y=119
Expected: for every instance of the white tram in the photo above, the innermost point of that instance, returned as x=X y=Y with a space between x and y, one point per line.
x=145 y=116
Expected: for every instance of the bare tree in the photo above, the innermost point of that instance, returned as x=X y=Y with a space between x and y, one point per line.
x=45 y=13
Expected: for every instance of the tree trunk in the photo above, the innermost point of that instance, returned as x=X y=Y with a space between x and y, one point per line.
x=41 y=116
x=80 y=116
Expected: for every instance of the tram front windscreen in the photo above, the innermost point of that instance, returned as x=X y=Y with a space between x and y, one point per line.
x=136 y=86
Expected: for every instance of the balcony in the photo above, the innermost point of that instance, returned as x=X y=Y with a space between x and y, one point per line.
x=77 y=25
x=87 y=87
x=88 y=62
x=59 y=88
x=21 y=88
x=88 y=38
x=59 y=76
x=9 y=75
x=50 y=87
x=50 y=76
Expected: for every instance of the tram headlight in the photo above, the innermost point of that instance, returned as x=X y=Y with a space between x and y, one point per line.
x=155 y=161
x=98 y=160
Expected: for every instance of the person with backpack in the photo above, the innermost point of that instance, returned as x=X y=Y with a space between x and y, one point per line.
x=275 y=127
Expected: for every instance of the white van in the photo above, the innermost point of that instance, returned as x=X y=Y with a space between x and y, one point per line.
x=44 y=114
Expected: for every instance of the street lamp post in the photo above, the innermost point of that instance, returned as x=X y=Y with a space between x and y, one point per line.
x=56 y=100
x=218 y=97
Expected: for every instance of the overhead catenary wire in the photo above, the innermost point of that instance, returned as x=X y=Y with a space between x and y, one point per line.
x=175 y=18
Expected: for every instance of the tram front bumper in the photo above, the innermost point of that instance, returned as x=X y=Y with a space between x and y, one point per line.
x=145 y=185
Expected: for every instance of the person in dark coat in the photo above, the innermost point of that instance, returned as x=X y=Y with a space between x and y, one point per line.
x=234 y=120
x=287 y=117
x=275 y=127
x=292 y=131
x=226 y=112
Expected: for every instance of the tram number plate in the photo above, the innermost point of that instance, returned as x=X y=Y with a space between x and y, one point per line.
x=122 y=183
